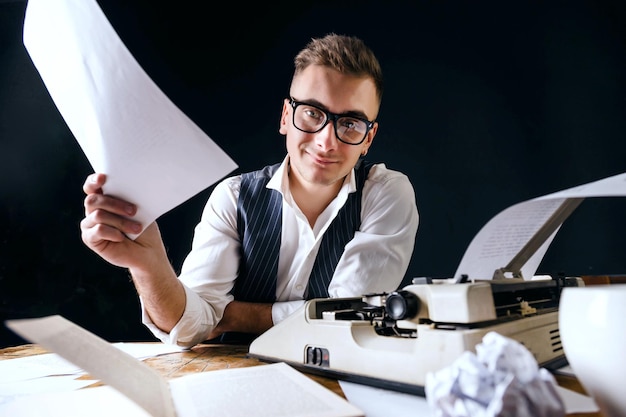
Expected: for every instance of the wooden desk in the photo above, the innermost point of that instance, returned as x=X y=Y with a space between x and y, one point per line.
x=213 y=357
x=200 y=358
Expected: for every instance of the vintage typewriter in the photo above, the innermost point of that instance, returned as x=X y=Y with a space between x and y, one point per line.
x=393 y=340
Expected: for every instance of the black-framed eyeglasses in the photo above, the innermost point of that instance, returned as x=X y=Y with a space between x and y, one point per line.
x=311 y=119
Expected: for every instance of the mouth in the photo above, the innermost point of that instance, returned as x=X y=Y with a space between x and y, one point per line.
x=320 y=159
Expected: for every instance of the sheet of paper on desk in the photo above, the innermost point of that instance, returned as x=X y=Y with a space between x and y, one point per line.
x=275 y=390
x=377 y=402
x=266 y=390
x=36 y=366
x=153 y=154
x=507 y=233
x=14 y=391
x=100 y=359
x=48 y=364
x=101 y=401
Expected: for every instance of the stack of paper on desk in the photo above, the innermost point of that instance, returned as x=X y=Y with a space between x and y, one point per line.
x=136 y=389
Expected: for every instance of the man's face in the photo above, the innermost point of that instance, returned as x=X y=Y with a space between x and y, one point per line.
x=320 y=159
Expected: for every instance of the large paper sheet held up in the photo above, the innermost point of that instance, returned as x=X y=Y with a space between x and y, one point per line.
x=152 y=153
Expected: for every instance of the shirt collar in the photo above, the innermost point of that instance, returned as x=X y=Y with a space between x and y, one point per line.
x=280 y=180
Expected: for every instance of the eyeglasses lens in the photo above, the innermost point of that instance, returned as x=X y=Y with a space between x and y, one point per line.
x=311 y=119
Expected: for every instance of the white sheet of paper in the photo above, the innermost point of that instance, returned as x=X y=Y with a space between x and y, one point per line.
x=499 y=241
x=12 y=391
x=275 y=390
x=147 y=350
x=577 y=403
x=47 y=364
x=36 y=366
x=152 y=153
x=101 y=360
x=101 y=401
x=376 y=402
x=267 y=390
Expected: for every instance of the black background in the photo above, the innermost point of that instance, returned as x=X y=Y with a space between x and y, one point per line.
x=486 y=104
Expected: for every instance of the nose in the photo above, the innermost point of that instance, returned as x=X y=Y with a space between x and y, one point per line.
x=326 y=139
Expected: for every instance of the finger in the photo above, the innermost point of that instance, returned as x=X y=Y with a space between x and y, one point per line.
x=103 y=218
x=113 y=205
x=94 y=183
x=98 y=235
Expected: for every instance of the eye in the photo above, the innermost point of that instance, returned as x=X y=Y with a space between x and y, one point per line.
x=313 y=113
x=348 y=123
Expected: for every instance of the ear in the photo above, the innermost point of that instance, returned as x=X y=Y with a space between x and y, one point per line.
x=369 y=139
x=284 y=121
x=372 y=133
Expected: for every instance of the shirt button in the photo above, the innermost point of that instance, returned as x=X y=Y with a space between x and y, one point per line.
x=299 y=287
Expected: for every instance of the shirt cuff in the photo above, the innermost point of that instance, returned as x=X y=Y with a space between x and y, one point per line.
x=158 y=333
x=281 y=310
x=184 y=333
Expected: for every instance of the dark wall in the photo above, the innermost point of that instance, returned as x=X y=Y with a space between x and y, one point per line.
x=487 y=104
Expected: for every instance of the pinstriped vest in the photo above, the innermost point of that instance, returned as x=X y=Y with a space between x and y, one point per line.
x=259 y=223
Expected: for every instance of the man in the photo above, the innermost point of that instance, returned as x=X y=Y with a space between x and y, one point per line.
x=322 y=223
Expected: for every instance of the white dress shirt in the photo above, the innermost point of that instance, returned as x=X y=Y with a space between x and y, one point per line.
x=374 y=261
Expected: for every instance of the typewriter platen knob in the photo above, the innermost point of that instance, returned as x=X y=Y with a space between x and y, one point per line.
x=402 y=305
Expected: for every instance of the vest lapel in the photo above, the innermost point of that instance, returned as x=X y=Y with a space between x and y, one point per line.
x=259 y=223
x=259 y=220
x=339 y=233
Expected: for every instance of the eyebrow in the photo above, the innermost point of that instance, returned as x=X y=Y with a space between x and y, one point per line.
x=353 y=113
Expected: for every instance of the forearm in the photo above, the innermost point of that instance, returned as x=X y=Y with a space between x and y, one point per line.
x=245 y=317
x=162 y=294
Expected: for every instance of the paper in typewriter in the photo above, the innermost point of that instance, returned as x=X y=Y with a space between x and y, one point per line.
x=152 y=153
x=506 y=234
x=272 y=390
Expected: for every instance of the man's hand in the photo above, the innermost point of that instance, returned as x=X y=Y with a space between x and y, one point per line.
x=107 y=222
x=104 y=230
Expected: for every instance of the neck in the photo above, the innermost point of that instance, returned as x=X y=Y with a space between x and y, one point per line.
x=312 y=199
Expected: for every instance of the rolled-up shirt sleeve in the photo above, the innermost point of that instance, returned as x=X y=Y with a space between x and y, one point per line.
x=281 y=310
x=192 y=329
x=209 y=270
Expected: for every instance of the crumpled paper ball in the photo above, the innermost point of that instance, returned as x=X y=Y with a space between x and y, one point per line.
x=502 y=379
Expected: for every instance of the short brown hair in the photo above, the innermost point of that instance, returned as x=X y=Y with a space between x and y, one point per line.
x=346 y=54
